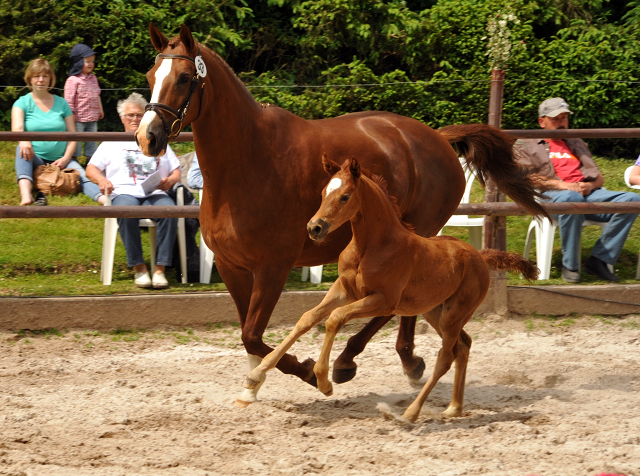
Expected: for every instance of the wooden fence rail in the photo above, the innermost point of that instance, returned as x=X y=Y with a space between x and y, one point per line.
x=192 y=211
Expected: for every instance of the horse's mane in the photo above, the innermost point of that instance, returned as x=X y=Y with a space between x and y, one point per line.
x=175 y=42
x=380 y=181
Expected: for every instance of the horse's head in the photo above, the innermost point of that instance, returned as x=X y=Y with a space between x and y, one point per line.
x=338 y=201
x=176 y=82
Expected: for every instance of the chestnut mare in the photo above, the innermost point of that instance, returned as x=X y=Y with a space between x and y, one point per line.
x=388 y=269
x=263 y=176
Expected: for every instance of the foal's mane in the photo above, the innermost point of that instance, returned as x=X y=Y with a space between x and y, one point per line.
x=382 y=183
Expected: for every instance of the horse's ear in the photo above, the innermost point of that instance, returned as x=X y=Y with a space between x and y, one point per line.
x=329 y=165
x=187 y=39
x=354 y=167
x=158 y=39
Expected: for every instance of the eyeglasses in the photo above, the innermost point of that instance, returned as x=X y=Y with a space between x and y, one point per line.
x=131 y=117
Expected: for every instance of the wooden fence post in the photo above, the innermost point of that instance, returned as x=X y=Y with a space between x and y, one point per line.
x=495 y=228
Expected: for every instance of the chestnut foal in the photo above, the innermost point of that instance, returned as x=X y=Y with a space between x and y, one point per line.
x=387 y=269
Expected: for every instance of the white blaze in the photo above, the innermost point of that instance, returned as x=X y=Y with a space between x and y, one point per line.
x=333 y=185
x=161 y=73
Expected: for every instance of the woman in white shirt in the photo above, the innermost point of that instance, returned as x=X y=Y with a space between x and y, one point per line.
x=120 y=169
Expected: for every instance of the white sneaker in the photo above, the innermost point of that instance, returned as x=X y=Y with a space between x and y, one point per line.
x=143 y=280
x=159 y=281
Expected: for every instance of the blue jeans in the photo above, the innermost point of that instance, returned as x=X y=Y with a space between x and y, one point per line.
x=130 y=230
x=25 y=168
x=89 y=147
x=609 y=245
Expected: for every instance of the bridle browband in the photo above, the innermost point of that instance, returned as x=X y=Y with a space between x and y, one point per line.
x=176 y=126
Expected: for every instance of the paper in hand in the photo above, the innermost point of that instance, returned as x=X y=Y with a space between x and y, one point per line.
x=151 y=183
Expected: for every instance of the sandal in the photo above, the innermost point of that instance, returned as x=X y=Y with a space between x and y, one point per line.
x=41 y=200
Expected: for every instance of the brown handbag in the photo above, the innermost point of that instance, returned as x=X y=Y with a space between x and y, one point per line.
x=51 y=180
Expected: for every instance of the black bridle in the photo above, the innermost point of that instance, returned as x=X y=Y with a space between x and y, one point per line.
x=175 y=128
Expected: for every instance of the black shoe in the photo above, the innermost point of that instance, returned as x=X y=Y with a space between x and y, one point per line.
x=570 y=276
x=599 y=268
x=41 y=199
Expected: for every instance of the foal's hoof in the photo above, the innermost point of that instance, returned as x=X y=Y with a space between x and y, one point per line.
x=344 y=375
x=416 y=374
x=241 y=404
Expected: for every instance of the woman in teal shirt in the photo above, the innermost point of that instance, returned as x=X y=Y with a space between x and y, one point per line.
x=42 y=111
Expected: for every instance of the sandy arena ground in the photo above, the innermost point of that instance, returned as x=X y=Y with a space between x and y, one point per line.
x=544 y=397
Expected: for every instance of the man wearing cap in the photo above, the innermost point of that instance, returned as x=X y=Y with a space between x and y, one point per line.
x=567 y=173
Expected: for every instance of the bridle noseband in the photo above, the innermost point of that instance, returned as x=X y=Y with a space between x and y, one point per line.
x=175 y=128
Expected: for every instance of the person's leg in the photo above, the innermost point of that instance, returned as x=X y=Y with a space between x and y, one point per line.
x=610 y=244
x=89 y=188
x=570 y=227
x=90 y=147
x=79 y=128
x=129 y=229
x=24 y=173
x=166 y=233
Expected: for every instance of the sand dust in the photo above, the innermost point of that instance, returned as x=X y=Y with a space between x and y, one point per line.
x=543 y=397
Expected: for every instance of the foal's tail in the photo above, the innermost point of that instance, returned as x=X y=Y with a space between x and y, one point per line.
x=503 y=261
x=489 y=152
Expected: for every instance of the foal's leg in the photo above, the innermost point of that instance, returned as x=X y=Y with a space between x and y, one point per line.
x=462 y=359
x=335 y=297
x=412 y=365
x=451 y=336
x=369 y=306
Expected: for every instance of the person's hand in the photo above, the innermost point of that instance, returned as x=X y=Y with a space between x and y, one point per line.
x=61 y=163
x=26 y=150
x=573 y=186
x=165 y=184
x=101 y=114
x=585 y=188
x=106 y=187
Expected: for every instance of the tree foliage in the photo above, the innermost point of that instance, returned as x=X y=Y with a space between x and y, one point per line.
x=423 y=58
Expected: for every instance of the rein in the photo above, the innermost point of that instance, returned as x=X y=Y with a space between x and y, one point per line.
x=175 y=128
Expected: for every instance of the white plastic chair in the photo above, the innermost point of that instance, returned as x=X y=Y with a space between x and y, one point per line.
x=473 y=224
x=206 y=255
x=314 y=271
x=627 y=174
x=545 y=233
x=109 y=243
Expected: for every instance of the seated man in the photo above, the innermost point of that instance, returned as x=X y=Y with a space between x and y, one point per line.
x=194 y=177
x=119 y=168
x=567 y=173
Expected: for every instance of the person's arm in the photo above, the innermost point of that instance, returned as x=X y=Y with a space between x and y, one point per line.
x=101 y=115
x=62 y=162
x=634 y=178
x=167 y=182
x=96 y=176
x=194 y=177
x=17 y=125
x=71 y=93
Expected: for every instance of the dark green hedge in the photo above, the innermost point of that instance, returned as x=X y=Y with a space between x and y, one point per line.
x=586 y=51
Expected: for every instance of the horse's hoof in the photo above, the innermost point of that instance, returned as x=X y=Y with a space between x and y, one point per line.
x=328 y=393
x=241 y=404
x=344 y=375
x=416 y=374
x=313 y=381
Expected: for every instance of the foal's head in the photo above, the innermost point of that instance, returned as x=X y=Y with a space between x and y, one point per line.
x=339 y=200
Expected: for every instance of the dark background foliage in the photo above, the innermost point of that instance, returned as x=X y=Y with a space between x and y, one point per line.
x=432 y=51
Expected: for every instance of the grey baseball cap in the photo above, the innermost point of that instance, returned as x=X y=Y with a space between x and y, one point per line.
x=552 y=107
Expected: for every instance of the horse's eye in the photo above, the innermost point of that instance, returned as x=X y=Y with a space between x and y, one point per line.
x=344 y=199
x=183 y=78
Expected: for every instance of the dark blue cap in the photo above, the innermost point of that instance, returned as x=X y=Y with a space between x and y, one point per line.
x=78 y=53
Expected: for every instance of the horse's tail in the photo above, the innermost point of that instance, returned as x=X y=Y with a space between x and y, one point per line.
x=489 y=152
x=503 y=261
